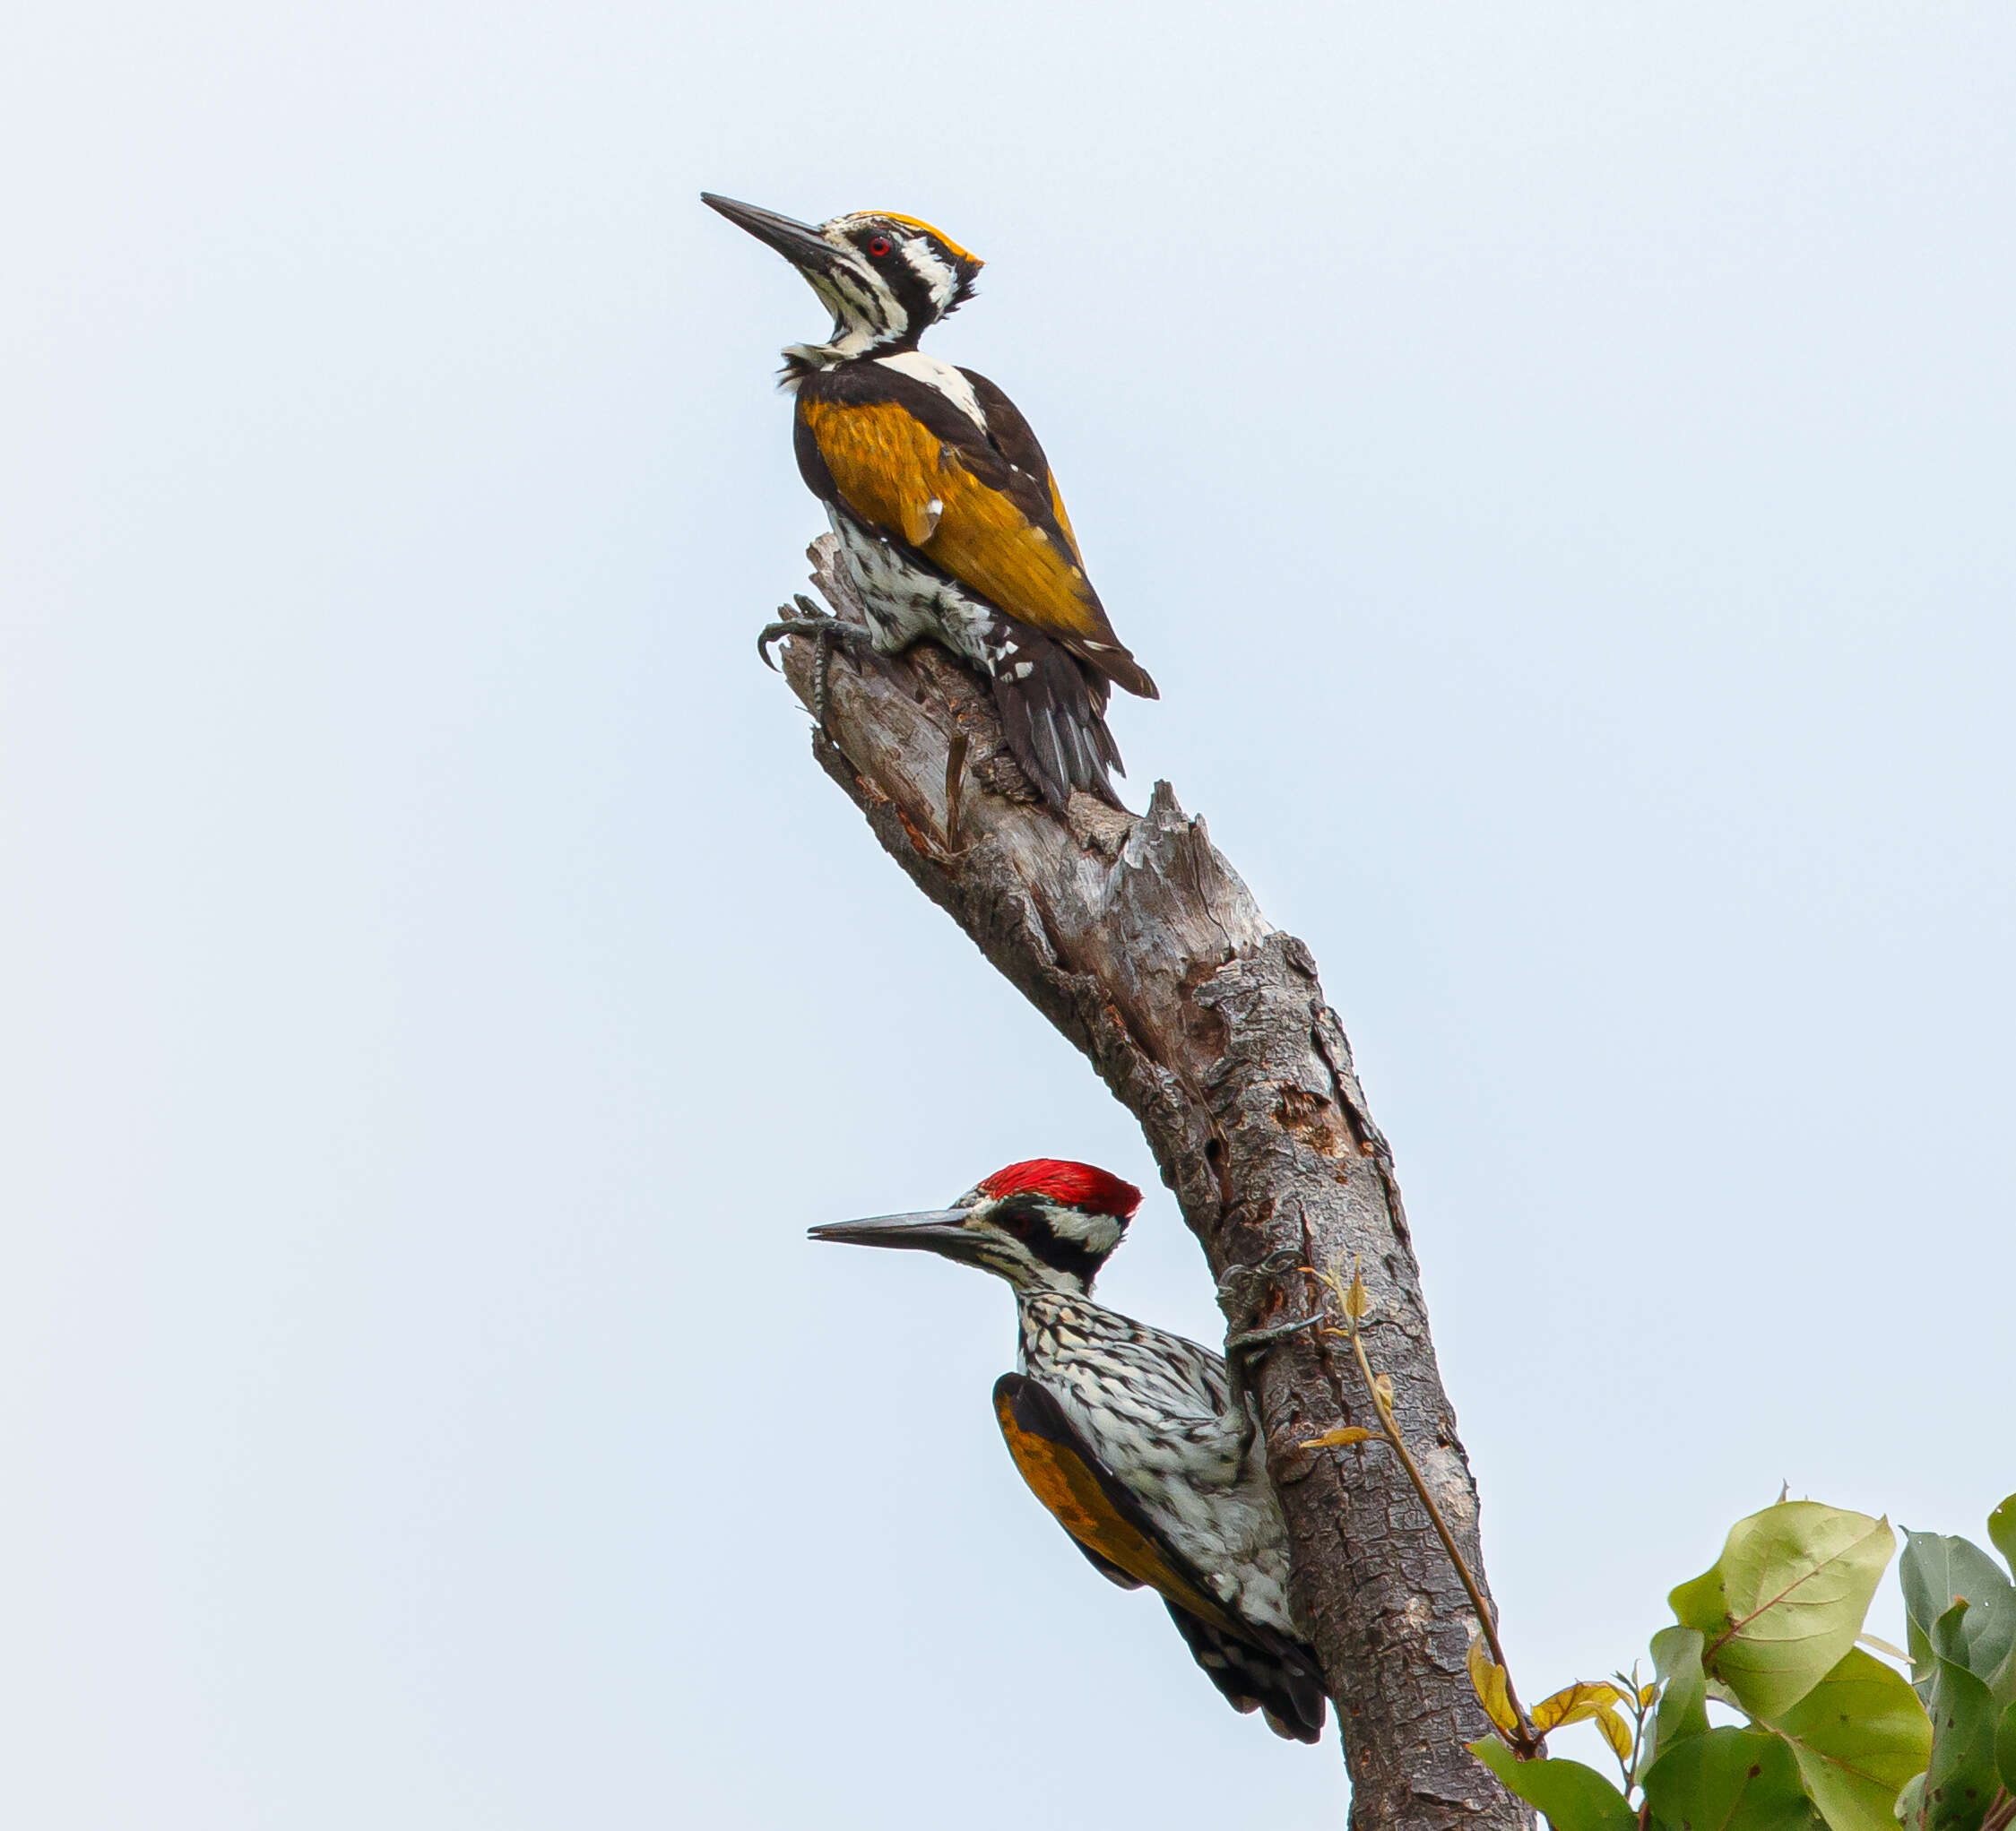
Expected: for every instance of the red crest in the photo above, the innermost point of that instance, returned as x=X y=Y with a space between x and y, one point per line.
x=1072 y=1185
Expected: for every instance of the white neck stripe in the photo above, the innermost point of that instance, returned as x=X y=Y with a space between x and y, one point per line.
x=940 y=376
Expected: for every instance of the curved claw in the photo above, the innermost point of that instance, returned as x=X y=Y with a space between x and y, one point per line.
x=1254 y=1341
x=815 y=626
x=1243 y=1284
x=1241 y=1294
x=828 y=633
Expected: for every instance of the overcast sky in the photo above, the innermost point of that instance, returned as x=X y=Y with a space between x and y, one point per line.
x=1559 y=463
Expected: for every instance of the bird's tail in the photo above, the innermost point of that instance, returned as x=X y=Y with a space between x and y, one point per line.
x=1280 y=1679
x=1053 y=715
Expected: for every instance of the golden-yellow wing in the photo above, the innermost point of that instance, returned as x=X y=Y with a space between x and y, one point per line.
x=882 y=461
x=1063 y=520
x=1013 y=436
x=983 y=540
x=1088 y=1501
x=949 y=501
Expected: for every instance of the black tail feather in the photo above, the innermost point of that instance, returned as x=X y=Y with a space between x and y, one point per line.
x=1054 y=719
x=1281 y=1678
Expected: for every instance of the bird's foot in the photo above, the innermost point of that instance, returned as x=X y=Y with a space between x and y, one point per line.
x=1249 y=1345
x=1244 y=1291
x=1241 y=1294
x=825 y=633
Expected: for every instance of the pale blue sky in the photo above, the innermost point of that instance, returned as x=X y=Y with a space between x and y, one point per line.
x=1558 y=461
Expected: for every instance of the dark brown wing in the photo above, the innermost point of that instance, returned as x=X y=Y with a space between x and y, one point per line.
x=1016 y=440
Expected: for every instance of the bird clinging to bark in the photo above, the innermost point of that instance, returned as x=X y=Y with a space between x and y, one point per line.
x=945 y=510
x=1139 y=1442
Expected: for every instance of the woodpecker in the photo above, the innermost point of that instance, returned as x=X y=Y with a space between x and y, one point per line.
x=1138 y=1441
x=951 y=521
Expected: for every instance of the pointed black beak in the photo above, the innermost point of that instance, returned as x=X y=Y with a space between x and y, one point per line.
x=798 y=242
x=943 y=1232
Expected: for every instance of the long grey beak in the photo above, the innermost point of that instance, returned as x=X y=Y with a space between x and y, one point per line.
x=798 y=242
x=942 y=1231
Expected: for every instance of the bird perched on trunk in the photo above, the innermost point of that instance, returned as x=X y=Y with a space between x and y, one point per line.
x=949 y=519
x=1139 y=1442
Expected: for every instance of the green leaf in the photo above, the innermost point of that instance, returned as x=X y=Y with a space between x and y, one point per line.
x=1962 y=1781
x=2005 y=1747
x=1858 y=1735
x=1910 y=1803
x=1728 y=1780
x=1574 y=1798
x=2001 y=1530
x=1918 y=1643
x=1683 y=1712
x=1782 y=1605
x=1935 y=1572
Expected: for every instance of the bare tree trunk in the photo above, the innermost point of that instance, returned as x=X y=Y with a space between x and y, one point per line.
x=1140 y=943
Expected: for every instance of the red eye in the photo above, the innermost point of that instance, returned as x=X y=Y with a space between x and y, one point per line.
x=879 y=246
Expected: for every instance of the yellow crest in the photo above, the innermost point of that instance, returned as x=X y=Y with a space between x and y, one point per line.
x=917 y=222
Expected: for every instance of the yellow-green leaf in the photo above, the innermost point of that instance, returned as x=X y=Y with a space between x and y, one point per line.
x=1487 y=1679
x=1858 y=1735
x=1343 y=1434
x=1676 y=1654
x=2001 y=1530
x=1783 y=1602
x=1616 y=1731
x=1355 y=1301
x=1573 y=1703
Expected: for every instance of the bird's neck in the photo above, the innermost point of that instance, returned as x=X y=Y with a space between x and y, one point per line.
x=1045 y=1285
x=854 y=344
x=1038 y=1316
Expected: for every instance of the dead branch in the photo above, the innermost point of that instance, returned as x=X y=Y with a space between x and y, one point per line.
x=1136 y=939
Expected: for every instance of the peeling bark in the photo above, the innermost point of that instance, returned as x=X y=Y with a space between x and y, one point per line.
x=1138 y=941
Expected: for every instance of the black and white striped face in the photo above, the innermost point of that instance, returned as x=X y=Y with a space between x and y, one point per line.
x=1044 y=1225
x=885 y=279
x=1038 y=1244
x=894 y=278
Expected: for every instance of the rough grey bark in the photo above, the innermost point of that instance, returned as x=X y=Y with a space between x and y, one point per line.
x=1136 y=939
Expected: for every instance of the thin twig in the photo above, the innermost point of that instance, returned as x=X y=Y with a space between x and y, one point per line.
x=1442 y=1532
x=1390 y=1428
x=1637 y=1709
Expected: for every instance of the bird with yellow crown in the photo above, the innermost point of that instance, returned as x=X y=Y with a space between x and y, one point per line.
x=949 y=523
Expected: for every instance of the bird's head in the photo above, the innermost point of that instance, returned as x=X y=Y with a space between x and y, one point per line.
x=1044 y=1225
x=885 y=279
